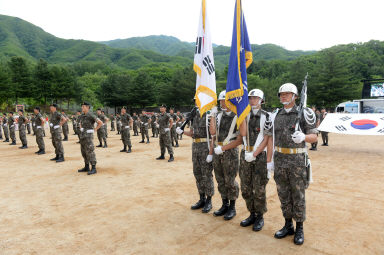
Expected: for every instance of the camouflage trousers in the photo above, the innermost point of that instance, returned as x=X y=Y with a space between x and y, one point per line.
x=179 y=137
x=112 y=126
x=6 y=132
x=105 y=129
x=144 y=132
x=23 y=134
x=28 y=126
x=56 y=141
x=12 y=133
x=74 y=127
x=118 y=127
x=253 y=180
x=1 y=131
x=39 y=138
x=202 y=170
x=101 y=135
x=155 y=130
x=34 y=129
x=87 y=148
x=135 y=130
x=126 y=137
x=226 y=166
x=291 y=181
x=65 y=130
x=165 y=142
x=173 y=135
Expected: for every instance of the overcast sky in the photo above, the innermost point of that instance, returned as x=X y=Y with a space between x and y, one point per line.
x=293 y=24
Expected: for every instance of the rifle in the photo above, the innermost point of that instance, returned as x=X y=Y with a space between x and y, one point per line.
x=189 y=117
x=303 y=102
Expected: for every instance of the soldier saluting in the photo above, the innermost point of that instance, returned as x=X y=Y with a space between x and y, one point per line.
x=291 y=159
x=87 y=122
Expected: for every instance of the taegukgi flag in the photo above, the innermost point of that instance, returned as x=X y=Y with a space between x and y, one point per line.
x=204 y=65
x=236 y=97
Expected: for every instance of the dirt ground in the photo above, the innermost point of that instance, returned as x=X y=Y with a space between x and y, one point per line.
x=138 y=205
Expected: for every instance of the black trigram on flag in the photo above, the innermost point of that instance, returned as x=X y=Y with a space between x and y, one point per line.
x=208 y=64
x=382 y=118
x=199 y=42
x=381 y=131
x=345 y=118
x=340 y=128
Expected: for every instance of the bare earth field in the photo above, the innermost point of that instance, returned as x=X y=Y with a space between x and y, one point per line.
x=138 y=205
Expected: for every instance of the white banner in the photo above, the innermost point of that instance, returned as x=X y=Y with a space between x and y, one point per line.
x=204 y=65
x=353 y=124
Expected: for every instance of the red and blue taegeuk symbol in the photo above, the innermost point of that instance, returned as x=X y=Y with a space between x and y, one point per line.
x=364 y=124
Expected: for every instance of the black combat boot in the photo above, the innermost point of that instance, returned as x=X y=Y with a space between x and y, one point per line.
x=171 y=158
x=13 y=143
x=37 y=152
x=208 y=205
x=288 y=229
x=199 y=204
x=148 y=140
x=60 y=159
x=24 y=147
x=231 y=211
x=161 y=157
x=41 y=152
x=142 y=141
x=55 y=158
x=299 y=234
x=6 y=141
x=129 y=149
x=125 y=149
x=248 y=221
x=1 y=138
x=65 y=138
x=105 y=145
x=223 y=209
x=93 y=170
x=100 y=145
x=85 y=169
x=259 y=223
x=177 y=144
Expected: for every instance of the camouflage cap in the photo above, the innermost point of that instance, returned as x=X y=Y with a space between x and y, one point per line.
x=54 y=105
x=85 y=103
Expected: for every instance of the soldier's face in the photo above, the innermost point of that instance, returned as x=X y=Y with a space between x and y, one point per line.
x=254 y=101
x=123 y=111
x=20 y=113
x=84 y=108
x=162 y=109
x=35 y=111
x=98 y=112
x=286 y=97
x=52 y=109
x=222 y=105
x=171 y=111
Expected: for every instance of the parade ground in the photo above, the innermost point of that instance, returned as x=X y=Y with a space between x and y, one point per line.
x=138 y=205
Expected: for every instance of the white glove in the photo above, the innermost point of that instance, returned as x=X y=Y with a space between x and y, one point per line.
x=51 y=124
x=157 y=126
x=214 y=110
x=270 y=167
x=248 y=156
x=82 y=129
x=218 y=150
x=298 y=137
x=166 y=129
x=209 y=158
x=179 y=131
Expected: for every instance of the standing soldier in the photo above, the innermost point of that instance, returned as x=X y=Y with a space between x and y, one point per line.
x=87 y=121
x=39 y=126
x=253 y=160
x=33 y=122
x=112 y=122
x=101 y=131
x=324 y=135
x=165 y=124
x=11 y=125
x=226 y=158
x=105 y=125
x=173 y=128
x=77 y=126
x=155 y=131
x=28 y=124
x=73 y=119
x=1 y=128
x=5 y=128
x=202 y=161
x=144 y=122
x=135 y=124
x=291 y=160
x=317 y=114
x=126 y=122
x=22 y=121
x=118 y=123
x=56 y=122
x=65 y=126
x=179 y=123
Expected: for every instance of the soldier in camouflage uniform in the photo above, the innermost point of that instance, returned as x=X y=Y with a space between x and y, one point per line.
x=179 y=123
x=165 y=123
x=202 y=161
x=253 y=160
x=11 y=125
x=155 y=130
x=174 y=117
x=126 y=123
x=5 y=128
x=1 y=128
x=226 y=158
x=65 y=126
x=324 y=135
x=136 y=123
x=144 y=123
x=33 y=120
x=77 y=124
x=73 y=119
x=39 y=126
x=317 y=114
x=56 y=122
x=105 y=124
x=290 y=160
x=28 y=124
x=101 y=131
x=112 y=117
x=22 y=121
x=87 y=121
x=118 y=123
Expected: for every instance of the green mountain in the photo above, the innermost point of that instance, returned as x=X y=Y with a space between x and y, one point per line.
x=21 y=38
